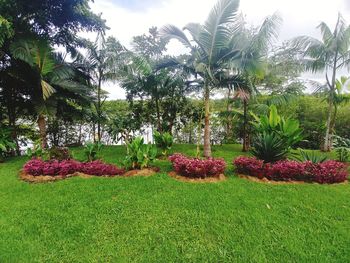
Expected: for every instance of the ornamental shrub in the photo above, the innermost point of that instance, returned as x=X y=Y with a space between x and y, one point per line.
x=327 y=172
x=38 y=167
x=197 y=168
x=59 y=153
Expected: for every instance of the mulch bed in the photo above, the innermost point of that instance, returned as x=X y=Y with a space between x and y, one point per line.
x=267 y=181
x=181 y=178
x=143 y=172
x=49 y=178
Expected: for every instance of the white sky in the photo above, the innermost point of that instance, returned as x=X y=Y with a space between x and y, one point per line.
x=128 y=18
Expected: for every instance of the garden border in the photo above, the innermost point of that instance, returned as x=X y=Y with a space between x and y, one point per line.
x=212 y=179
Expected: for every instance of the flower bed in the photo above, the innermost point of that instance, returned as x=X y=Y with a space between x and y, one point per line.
x=324 y=173
x=38 y=167
x=197 y=168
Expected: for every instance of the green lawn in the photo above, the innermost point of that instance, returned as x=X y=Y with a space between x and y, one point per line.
x=158 y=219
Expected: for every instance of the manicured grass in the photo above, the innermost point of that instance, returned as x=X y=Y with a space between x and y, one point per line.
x=158 y=219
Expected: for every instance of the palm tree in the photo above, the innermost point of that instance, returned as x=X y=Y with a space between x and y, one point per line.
x=328 y=55
x=102 y=62
x=210 y=48
x=142 y=77
x=39 y=56
x=49 y=80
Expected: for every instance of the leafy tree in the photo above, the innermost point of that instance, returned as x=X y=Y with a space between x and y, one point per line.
x=151 y=45
x=328 y=55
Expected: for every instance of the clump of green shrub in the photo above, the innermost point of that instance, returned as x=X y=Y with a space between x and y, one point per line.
x=310 y=156
x=163 y=141
x=139 y=155
x=92 y=150
x=6 y=143
x=37 y=152
x=59 y=153
x=342 y=148
x=274 y=136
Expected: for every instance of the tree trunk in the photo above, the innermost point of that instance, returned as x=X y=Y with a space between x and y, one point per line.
x=159 y=124
x=229 y=118
x=332 y=127
x=207 y=146
x=99 y=110
x=246 y=144
x=42 y=130
x=327 y=140
x=326 y=146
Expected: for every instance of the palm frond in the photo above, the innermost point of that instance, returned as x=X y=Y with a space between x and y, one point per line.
x=216 y=34
x=47 y=89
x=169 y=32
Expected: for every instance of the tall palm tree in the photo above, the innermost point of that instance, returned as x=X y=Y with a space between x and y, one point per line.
x=40 y=57
x=143 y=77
x=327 y=55
x=102 y=62
x=209 y=47
x=51 y=76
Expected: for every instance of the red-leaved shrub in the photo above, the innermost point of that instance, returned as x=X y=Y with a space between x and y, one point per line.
x=197 y=168
x=324 y=173
x=38 y=167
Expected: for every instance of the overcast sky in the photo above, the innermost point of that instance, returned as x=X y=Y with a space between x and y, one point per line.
x=128 y=18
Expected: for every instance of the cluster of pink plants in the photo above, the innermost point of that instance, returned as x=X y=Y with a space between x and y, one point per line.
x=38 y=167
x=327 y=172
x=197 y=168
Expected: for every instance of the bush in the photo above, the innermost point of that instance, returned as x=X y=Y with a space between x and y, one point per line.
x=38 y=167
x=139 y=155
x=327 y=172
x=6 y=143
x=163 y=141
x=59 y=153
x=197 y=168
x=274 y=136
x=91 y=150
x=342 y=148
x=311 y=156
x=37 y=151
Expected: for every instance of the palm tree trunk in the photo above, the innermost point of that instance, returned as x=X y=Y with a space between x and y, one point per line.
x=207 y=146
x=228 y=119
x=159 y=125
x=326 y=146
x=245 y=124
x=332 y=127
x=42 y=130
x=99 y=108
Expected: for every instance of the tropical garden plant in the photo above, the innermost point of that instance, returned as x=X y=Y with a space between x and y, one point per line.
x=92 y=150
x=6 y=143
x=275 y=136
x=164 y=142
x=139 y=155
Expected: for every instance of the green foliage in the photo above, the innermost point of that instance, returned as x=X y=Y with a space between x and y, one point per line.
x=92 y=150
x=311 y=156
x=6 y=30
x=37 y=151
x=139 y=154
x=163 y=141
x=275 y=136
x=269 y=147
x=59 y=153
x=342 y=148
x=6 y=143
